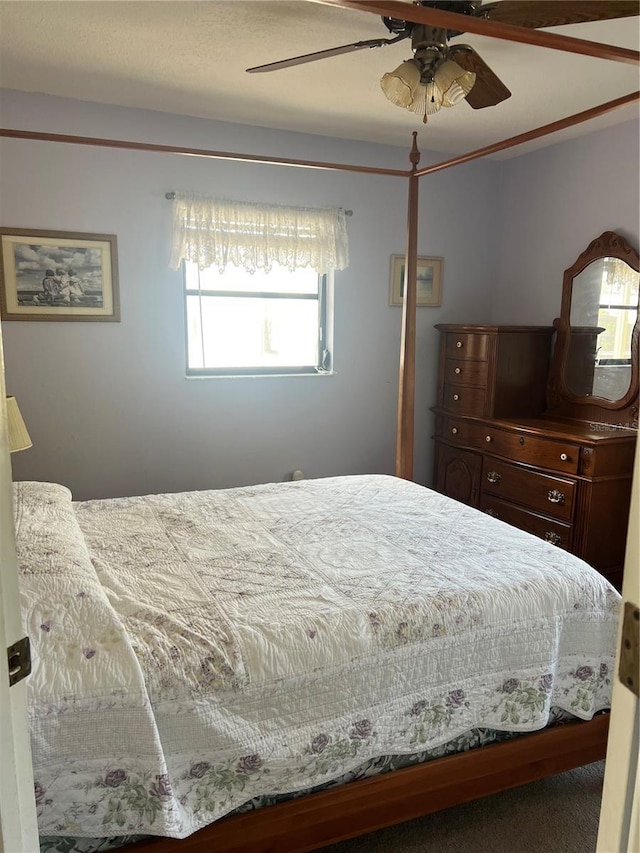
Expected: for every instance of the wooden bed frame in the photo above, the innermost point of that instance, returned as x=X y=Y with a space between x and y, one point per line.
x=346 y=811
x=316 y=820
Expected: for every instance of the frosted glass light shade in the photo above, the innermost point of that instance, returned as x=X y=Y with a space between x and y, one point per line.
x=405 y=88
x=427 y=99
x=18 y=436
x=454 y=82
x=398 y=85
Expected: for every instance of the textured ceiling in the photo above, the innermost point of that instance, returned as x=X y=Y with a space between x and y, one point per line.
x=190 y=58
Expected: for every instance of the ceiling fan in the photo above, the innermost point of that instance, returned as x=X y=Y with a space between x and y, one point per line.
x=439 y=75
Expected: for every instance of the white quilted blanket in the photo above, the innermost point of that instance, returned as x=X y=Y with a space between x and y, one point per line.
x=192 y=651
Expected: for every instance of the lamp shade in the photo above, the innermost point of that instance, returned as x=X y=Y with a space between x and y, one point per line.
x=18 y=436
x=454 y=82
x=398 y=86
x=427 y=83
x=427 y=99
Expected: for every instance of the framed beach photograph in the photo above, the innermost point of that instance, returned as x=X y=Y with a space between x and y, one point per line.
x=428 y=284
x=57 y=275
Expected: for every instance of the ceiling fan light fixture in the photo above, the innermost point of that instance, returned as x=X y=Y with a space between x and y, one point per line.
x=427 y=99
x=399 y=85
x=424 y=85
x=454 y=82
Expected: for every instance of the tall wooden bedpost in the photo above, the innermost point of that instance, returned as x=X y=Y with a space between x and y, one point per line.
x=407 y=378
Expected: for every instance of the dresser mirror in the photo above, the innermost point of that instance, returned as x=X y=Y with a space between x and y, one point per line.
x=595 y=362
x=604 y=311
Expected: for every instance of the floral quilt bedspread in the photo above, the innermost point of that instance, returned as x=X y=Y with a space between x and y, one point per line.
x=194 y=651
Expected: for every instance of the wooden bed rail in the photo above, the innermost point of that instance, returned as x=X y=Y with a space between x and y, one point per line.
x=483 y=27
x=210 y=153
x=346 y=811
x=536 y=133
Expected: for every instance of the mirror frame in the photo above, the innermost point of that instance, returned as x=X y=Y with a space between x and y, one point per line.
x=560 y=400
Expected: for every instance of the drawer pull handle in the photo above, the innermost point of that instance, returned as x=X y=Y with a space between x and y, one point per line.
x=563 y=457
x=456 y=396
x=459 y=344
x=488 y=438
x=494 y=477
x=553 y=537
x=555 y=497
x=457 y=370
x=454 y=430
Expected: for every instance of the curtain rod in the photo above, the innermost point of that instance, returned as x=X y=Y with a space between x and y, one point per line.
x=171 y=195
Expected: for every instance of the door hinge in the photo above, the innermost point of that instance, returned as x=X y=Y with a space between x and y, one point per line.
x=629 y=669
x=19 y=660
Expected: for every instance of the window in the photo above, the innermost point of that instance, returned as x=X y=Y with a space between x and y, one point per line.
x=258 y=282
x=241 y=323
x=617 y=312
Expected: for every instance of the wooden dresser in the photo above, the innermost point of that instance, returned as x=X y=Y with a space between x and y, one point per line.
x=565 y=480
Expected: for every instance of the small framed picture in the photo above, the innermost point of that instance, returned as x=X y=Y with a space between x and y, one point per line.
x=428 y=285
x=57 y=275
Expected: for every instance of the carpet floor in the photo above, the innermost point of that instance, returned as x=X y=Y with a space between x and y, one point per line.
x=555 y=815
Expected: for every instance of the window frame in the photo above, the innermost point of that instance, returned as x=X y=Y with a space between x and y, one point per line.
x=622 y=362
x=324 y=359
x=613 y=268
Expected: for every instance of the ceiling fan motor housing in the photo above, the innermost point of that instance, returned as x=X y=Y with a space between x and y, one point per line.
x=423 y=37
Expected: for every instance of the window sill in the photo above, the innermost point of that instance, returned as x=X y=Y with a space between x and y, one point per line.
x=261 y=375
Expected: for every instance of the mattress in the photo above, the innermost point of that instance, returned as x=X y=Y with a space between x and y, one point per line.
x=195 y=651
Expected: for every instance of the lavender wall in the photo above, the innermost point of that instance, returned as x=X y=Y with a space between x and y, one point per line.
x=553 y=203
x=108 y=405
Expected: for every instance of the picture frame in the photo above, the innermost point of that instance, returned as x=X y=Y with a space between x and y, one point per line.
x=58 y=275
x=429 y=281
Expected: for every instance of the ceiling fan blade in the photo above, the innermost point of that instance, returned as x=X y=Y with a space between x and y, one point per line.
x=488 y=89
x=323 y=54
x=555 y=13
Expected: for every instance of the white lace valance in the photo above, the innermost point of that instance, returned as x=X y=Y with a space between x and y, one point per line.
x=213 y=233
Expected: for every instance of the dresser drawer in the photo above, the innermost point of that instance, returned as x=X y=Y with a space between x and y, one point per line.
x=459 y=431
x=530 y=450
x=555 y=455
x=463 y=399
x=460 y=372
x=467 y=345
x=549 y=495
x=550 y=530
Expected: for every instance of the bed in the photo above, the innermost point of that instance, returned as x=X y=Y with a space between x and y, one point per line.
x=197 y=653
